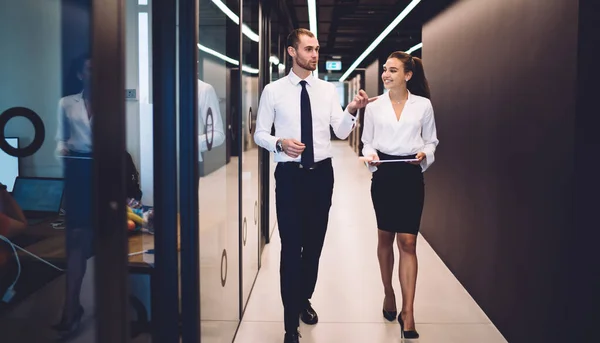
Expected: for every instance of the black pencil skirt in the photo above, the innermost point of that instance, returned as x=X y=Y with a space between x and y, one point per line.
x=398 y=194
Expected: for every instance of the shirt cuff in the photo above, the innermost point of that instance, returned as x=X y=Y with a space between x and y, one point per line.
x=273 y=144
x=427 y=161
x=349 y=120
x=60 y=146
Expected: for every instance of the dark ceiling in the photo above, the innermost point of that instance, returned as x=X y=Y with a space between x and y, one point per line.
x=347 y=27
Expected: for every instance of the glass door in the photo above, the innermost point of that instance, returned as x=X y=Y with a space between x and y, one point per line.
x=63 y=235
x=249 y=157
x=218 y=167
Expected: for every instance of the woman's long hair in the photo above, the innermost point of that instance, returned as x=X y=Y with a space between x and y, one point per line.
x=72 y=84
x=418 y=84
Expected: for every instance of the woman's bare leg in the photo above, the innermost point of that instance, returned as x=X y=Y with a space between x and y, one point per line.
x=407 y=244
x=385 y=254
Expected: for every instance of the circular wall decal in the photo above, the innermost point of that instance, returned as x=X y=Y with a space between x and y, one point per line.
x=209 y=129
x=256 y=212
x=244 y=231
x=38 y=126
x=250 y=128
x=224 y=267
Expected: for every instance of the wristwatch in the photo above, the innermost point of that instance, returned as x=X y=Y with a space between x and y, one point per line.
x=279 y=145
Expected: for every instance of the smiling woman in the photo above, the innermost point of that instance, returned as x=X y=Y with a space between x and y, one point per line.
x=400 y=125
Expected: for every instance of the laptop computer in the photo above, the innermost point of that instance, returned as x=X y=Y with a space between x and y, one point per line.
x=39 y=198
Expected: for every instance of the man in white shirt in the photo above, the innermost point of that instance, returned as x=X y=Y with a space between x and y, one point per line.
x=302 y=108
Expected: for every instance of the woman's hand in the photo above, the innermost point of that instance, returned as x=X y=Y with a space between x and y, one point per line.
x=374 y=160
x=420 y=157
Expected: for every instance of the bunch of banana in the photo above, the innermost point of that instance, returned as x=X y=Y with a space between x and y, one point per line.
x=135 y=218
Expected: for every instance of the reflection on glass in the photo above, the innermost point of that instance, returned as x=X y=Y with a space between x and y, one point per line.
x=250 y=155
x=74 y=146
x=46 y=272
x=218 y=167
x=211 y=129
x=139 y=166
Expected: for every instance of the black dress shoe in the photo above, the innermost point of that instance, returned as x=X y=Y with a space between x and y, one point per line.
x=309 y=315
x=293 y=337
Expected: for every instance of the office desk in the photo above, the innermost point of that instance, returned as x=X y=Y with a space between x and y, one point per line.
x=50 y=244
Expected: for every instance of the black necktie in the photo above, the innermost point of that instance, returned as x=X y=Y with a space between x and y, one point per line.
x=308 y=155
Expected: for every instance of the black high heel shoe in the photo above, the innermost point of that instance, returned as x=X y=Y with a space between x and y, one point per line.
x=389 y=315
x=411 y=334
x=67 y=329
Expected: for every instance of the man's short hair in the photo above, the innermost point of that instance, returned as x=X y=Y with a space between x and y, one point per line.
x=293 y=38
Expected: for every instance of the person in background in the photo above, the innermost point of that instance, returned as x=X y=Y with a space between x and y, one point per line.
x=74 y=146
x=400 y=125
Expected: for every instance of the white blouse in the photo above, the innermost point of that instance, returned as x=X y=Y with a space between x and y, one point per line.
x=415 y=131
x=74 y=125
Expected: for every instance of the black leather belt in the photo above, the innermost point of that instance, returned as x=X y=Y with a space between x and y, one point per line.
x=316 y=165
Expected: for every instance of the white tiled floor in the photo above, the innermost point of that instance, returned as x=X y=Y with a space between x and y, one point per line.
x=349 y=294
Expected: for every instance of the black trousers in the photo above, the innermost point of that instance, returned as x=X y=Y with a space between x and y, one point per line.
x=303 y=200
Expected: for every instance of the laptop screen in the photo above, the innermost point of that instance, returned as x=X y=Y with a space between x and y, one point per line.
x=39 y=194
x=10 y=165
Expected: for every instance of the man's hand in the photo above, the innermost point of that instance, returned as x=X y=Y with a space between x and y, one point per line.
x=360 y=101
x=420 y=156
x=292 y=147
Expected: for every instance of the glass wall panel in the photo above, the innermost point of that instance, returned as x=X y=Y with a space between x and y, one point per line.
x=218 y=94
x=250 y=155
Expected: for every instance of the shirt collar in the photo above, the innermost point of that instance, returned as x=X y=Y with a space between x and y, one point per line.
x=79 y=96
x=411 y=97
x=295 y=79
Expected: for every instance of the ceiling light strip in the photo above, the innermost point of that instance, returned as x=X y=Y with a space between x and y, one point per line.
x=378 y=40
x=227 y=59
x=312 y=23
x=234 y=17
x=414 y=48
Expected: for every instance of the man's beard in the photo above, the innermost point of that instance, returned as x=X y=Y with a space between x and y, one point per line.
x=306 y=65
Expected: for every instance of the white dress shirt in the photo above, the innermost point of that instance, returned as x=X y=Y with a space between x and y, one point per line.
x=415 y=131
x=207 y=98
x=74 y=125
x=280 y=104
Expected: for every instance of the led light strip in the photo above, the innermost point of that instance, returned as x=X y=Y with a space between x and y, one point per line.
x=245 y=29
x=227 y=59
x=312 y=23
x=414 y=48
x=378 y=40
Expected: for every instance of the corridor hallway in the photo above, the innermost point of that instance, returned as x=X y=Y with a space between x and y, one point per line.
x=349 y=294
